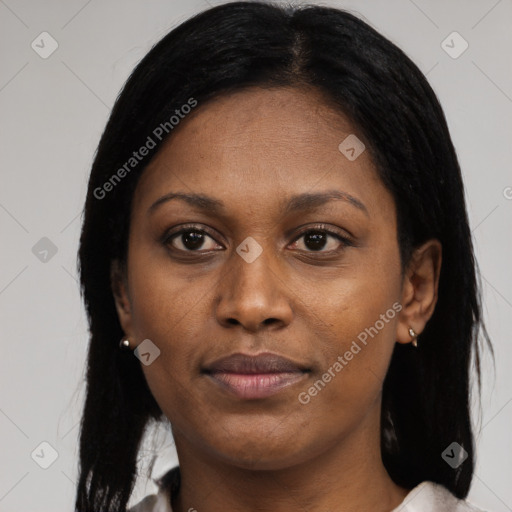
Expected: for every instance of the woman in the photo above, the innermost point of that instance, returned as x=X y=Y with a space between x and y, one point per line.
x=275 y=228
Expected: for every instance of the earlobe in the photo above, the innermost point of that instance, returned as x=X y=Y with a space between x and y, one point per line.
x=420 y=290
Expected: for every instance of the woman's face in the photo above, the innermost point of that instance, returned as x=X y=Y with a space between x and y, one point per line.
x=309 y=297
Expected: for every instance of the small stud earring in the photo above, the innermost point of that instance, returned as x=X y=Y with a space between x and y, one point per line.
x=414 y=337
x=124 y=344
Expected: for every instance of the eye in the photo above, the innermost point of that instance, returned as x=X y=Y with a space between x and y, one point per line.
x=316 y=239
x=190 y=239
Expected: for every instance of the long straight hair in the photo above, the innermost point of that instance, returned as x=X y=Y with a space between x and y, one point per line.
x=361 y=74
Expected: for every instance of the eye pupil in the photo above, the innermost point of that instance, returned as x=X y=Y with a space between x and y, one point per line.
x=318 y=240
x=192 y=239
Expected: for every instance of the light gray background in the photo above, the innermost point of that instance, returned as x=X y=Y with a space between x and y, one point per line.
x=53 y=112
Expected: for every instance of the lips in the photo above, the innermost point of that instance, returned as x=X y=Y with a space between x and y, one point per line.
x=255 y=377
x=261 y=363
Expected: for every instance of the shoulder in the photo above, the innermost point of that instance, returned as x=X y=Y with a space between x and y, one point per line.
x=428 y=496
x=160 y=502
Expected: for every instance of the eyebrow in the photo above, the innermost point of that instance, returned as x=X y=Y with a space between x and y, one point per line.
x=305 y=201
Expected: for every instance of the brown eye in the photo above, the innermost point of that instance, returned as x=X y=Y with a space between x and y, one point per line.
x=190 y=240
x=315 y=240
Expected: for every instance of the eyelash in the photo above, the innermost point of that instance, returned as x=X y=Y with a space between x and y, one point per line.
x=320 y=228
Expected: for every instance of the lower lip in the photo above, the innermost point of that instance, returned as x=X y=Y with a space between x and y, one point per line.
x=253 y=386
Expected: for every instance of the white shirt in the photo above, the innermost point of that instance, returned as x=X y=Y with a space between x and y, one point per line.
x=425 y=497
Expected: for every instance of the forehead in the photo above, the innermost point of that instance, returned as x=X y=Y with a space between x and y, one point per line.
x=258 y=145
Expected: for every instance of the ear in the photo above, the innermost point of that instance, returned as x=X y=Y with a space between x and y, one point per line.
x=119 y=286
x=420 y=289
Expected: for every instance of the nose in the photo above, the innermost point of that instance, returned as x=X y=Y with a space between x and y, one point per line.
x=253 y=295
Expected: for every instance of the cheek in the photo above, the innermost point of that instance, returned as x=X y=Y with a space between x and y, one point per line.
x=168 y=312
x=161 y=302
x=349 y=382
x=358 y=334
x=358 y=347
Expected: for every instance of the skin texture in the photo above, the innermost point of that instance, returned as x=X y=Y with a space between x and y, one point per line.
x=253 y=150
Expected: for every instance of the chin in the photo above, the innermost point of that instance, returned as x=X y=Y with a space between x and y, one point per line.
x=263 y=462
x=260 y=454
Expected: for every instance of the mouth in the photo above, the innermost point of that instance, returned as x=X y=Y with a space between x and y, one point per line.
x=255 y=377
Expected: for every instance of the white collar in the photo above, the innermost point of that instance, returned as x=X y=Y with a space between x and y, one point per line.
x=425 y=497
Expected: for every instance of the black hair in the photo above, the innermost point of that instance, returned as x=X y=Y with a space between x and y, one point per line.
x=361 y=74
